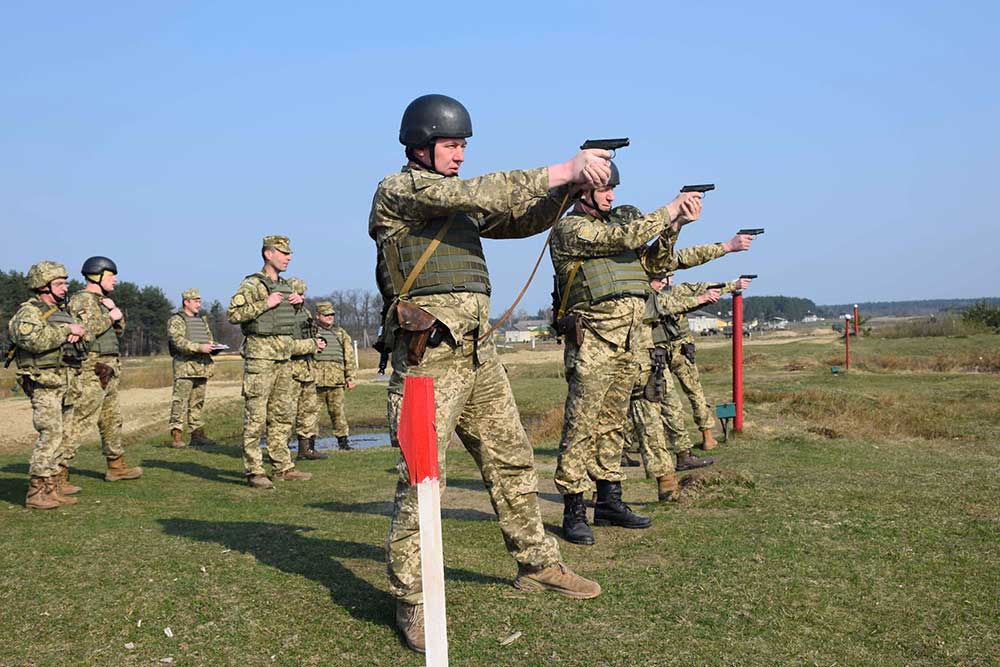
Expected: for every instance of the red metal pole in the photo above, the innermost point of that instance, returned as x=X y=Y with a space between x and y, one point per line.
x=847 y=344
x=738 y=361
x=855 y=319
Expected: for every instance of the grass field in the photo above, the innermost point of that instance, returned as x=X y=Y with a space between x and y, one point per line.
x=855 y=522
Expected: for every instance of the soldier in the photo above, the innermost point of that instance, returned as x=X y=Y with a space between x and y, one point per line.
x=97 y=386
x=263 y=306
x=48 y=350
x=306 y=341
x=427 y=224
x=191 y=345
x=334 y=370
x=602 y=269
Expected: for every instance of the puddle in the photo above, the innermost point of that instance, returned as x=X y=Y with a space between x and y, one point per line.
x=359 y=441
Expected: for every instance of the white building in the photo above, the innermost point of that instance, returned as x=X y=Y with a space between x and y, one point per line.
x=699 y=320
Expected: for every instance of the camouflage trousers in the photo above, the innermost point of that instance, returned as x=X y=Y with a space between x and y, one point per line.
x=473 y=399
x=600 y=377
x=690 y=381
x=52 y=416
x=650 y=434
x=268 y=395
x=90 y=400
x=187 y=403
x=333 y=399
x=307 y=410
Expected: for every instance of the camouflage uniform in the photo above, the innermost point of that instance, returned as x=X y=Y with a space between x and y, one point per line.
x=471 y=390
x=268 y=387
x=91 y=398
x=303 y=369
x=192 y=367
x=332 y=376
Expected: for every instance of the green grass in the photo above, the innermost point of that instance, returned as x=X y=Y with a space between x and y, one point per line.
x=869 y=535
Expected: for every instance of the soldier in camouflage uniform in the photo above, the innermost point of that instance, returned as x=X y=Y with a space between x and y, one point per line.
x=263 y=306
x=47 y=348
x=334 y=370
x=306 y=342
x=191 y=346
x=100 y=374
x=427 y=225
x=602 y=271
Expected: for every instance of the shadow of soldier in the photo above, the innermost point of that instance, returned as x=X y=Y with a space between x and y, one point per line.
x=198 y=470
x=384 y=508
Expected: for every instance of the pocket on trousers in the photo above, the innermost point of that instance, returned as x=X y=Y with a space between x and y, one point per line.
x=255 y=374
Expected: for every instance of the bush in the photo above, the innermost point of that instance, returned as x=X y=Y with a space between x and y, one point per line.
x=983 y=314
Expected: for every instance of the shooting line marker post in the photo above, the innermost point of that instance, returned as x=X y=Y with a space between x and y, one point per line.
x=855 y=319
x=418 y=440
x=738 y=361
x=847 y=343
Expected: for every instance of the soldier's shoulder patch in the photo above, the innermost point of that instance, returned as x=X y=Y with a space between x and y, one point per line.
x=239 y=300
x=25 y=328
x=587 y=232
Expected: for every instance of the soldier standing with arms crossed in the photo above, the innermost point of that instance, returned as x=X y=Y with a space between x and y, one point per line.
x=191 y=345
x=263 y=307
x=334 y=370
x=305 y=343
x=427 y=224
x=100 y=374
x=48 y=354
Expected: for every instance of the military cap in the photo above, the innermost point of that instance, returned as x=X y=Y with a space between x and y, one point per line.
x=325 y=308
x=277 y=242
x=41 y=274
x=298 y=285
x=192 y=293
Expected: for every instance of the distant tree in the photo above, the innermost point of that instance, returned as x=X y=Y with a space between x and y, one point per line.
x=983 y=313
x=222 y=330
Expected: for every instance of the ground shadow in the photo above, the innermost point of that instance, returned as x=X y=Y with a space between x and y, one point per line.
x=547 y=451
x=384 y=508
x=22 y=469
x=197 y=470
x=465 y=483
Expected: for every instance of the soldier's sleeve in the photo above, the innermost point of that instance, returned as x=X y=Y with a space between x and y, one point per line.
x=177 y=332
x=249 y=302
x=730 y=288
x=585 y=237
x=529 y=218
x=676 y=302
x=348 y=344
x=304 y=346
x=30 y=332
x=91 y=316
x=659 y=257
x=698 y=255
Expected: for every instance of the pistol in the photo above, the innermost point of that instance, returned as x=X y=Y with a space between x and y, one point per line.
x=749 y=276
x=717 y=286
x=605 y=144
x=752 y=232
x=703 y=188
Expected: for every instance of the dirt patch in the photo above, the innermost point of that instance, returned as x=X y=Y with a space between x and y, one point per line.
x=704 y=486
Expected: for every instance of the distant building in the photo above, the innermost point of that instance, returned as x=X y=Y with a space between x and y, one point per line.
x=810 y=317
x=701 y=320
x=525 y=330
x=776 y=323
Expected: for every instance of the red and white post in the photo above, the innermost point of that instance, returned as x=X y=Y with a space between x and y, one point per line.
x=738 y=361
x=855 y=319
x=847 y=343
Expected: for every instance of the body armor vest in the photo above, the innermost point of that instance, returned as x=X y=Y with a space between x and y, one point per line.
x=304 y=326
x=334 y=350
x=457 y=264
x=106 y=344
x=67 y=354
x=601 y=278
x=278 y=321
x=195 y=330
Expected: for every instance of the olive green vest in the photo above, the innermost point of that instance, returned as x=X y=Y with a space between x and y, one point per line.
x=304 y=326
x=457 y=264
x=278 y=321
x=667 y=328
x=106 y=344
x=196 y=329
x=64 y=355
x=334 y=350
x=602 y=278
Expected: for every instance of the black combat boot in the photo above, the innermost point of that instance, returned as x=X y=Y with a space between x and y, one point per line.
x=307 y=449
x=342 y=443
x=688 y=461
x=628 y=461
x=575 y=528
x=611 y=511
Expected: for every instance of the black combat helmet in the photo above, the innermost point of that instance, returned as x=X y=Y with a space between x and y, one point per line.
x=430 y=117
x=97 y=265
x=615 y=179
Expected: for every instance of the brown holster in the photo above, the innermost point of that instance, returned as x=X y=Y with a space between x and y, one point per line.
x=104 y=373
x=571 y=328
x=28 y=386
x=417 y=325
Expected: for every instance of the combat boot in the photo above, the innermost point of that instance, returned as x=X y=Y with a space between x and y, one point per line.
x=628 y=461
x=558 y=578
x=176 y=438
x=40 y=495
x=293 y=475
x=65 y=487
x=688 y=461
x=198 y=438
x=410 y=621
x=666 y=487
x=708 y=441
x=307 y=449
x=260 y=482
x=52 y=484
x=342 y=443
x=611 y=511
x=117 y=470
x=574 y=527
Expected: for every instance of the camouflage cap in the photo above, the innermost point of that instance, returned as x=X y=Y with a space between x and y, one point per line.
x=192 y=293
x=325 y=308
x=298 y=285
x=277 y=242
x=44 y=272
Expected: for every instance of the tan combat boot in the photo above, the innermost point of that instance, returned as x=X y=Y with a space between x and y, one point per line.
x=666 y=487
x=260 y=482
x=177 y=439
x=65 y=487
x=40 y=495
x=558 y=578
x=52 y=484
x=410 y=621
x=293 y=475
x=708 y=441
x=117 y=470
x=199 y=439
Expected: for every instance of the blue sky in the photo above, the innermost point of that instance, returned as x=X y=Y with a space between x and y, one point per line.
x=172 y=136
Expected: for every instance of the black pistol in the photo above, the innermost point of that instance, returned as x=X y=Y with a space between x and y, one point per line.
x=605 y=144
x=752 y=232
x=703 y=188
x=748 y=276
x=717 y=286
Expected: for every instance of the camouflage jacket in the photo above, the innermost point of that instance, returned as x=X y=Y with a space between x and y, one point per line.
x=686 y=258
x=30 y=332
x=189 y=360
x=249 y=303
x=580 y=236
x=86 y=307
x=687 y=293
x=506 y=205
x=332 y=373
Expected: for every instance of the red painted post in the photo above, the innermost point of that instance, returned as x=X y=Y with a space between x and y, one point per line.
x=847 y=344
x=855 y=319
x=738 y=361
